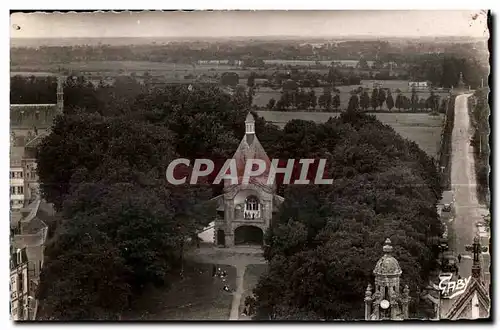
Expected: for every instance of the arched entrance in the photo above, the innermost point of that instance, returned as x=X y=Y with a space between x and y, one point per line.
x=248 y=235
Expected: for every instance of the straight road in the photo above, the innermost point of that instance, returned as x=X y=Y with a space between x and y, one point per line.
x=467 y=210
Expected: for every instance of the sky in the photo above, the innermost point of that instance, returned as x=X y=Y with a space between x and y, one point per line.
x=414 y=23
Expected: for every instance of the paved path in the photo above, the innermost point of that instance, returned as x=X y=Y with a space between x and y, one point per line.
x=240 y=258
x=467 y=210
x=235 y=307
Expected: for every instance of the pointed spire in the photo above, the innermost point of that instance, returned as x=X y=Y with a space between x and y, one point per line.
x=476 y=250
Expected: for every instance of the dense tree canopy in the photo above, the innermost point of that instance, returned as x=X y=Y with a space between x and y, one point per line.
x=106 y=174
x=103 y=166
x=325 y=241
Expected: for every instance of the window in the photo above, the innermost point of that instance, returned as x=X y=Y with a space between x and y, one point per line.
x=251 y=208
x=20 y=190
x=12 y=174
x=31 y=269
x=20 y=174
x=12 y=190
x=252 y=204
x=21 y=284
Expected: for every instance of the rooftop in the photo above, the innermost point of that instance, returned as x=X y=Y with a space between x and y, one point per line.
x=40 y=105
x=16 y=156
x=387 y=265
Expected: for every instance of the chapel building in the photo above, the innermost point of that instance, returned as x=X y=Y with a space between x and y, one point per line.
x=244 y=210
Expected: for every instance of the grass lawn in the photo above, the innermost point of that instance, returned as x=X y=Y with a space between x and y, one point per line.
x=250 y=280
x=197 y=297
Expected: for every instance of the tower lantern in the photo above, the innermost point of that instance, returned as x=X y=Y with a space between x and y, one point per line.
x=250 y=124
x=387 y=302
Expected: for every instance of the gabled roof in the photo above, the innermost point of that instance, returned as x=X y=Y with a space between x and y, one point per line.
x=462 y=302
x=33 y=230
x=16 y=156
x=220 y=202
x=250 y=148
x=33 y=143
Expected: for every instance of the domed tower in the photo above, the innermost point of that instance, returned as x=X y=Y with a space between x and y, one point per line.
x=387 y=302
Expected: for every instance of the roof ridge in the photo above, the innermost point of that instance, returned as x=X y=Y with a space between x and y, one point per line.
x=459 y=304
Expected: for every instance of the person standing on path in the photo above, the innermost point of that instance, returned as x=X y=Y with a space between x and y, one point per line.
x=459 y=258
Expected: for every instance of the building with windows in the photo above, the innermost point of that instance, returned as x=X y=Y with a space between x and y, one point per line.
x=17 y=195
x=418 y=85
x=19 y=285
x=29 y=234
x=245 y=210
x=29 y=123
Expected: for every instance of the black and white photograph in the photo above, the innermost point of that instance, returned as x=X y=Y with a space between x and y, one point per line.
x=237 y=165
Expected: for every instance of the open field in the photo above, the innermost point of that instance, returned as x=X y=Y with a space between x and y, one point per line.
x=422 y=128
x=198 y=297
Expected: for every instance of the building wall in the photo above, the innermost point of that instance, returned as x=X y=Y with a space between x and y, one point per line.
x=32 y=115
x=19 y=291
x=234 y=212
x=31 y=183
x=17 y=191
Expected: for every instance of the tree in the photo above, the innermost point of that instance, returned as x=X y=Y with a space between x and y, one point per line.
x=312 y=99
x=406 y=103
x=363 y=64
x=271 y=103
x=399 y=101
x=88 y=141
x=353 y=103
x=364 y=101
x=432 y=102
x=375 y=99
x=229 y=79
x=443 y=106
x=251 y=80
x=325 y=240
x=381 y=97
x=336 y=101
x=389 y=101
x=414 y=99
x=86 y=281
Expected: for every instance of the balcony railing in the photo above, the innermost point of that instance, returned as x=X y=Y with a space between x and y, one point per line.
x=251 y=215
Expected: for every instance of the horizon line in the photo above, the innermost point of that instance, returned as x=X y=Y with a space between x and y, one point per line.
x=268 y=36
